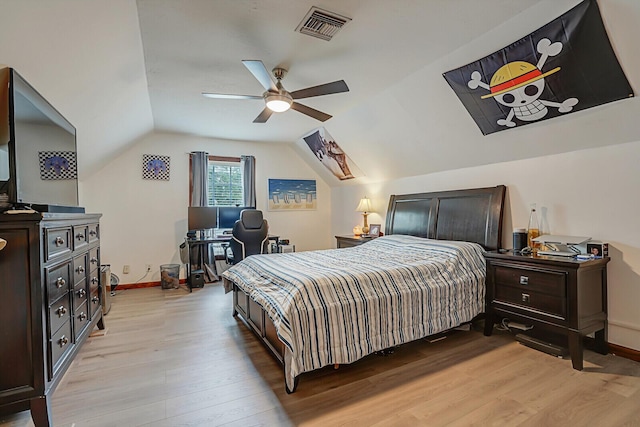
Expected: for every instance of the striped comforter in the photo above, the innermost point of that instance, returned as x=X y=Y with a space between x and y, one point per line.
x=339 y=305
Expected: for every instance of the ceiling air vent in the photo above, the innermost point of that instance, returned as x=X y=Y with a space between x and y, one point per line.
x=321 y=23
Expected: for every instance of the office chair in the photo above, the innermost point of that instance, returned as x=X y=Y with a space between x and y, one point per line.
x=249 y=236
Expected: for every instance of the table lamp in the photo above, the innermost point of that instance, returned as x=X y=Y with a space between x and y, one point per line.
x=365 y=207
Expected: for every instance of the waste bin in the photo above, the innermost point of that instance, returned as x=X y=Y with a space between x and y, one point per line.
x=170 y=276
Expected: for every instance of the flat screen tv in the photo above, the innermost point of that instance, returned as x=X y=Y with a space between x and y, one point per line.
x=38 y=166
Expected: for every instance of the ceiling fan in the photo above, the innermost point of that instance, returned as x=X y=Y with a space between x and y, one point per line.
x=277 y=98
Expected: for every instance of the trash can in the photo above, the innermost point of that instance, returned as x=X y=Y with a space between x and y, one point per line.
x=170 y=276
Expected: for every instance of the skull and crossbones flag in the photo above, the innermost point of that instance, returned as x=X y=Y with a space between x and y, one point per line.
x=568 y=65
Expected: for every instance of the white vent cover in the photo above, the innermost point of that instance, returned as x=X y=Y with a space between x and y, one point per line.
x=321 y=23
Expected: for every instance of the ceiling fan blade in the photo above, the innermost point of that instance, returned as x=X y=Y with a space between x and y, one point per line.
x=311 y=112
x=225 y=96
x=263 y=116
x=325 y=89
x=261 y=73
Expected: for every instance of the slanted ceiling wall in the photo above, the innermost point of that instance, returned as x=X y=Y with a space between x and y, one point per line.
x=583 y=193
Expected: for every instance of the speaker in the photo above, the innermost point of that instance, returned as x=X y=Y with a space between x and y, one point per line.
x=196 y=279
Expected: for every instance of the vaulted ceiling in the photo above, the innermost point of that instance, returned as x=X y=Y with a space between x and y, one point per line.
x=119 y=69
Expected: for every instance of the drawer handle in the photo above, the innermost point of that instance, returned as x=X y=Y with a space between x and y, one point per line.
x=95 y=300
x=63 y=341
x=93 y=260
x=82 y=293
x=82 y=316
x=525 y=297
x=80 y=269
x=94 y=281
x=60 y=282
x=59 y=241
x=80 y=236
x=524 y=280
x=93 y=233
x=61 y=311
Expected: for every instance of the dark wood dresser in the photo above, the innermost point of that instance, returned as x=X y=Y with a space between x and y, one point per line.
x=562 y=299
x=49 y=303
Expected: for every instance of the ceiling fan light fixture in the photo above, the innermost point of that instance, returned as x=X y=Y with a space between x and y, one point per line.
x=278 y=102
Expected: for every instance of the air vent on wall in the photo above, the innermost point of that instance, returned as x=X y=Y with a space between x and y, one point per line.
x=321 y=23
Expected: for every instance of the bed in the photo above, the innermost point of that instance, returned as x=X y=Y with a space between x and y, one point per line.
x=319 y=308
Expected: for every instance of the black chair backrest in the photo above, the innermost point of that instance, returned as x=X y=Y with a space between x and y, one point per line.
x=249 y=235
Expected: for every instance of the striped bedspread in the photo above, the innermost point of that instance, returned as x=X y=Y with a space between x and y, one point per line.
x=339 y=305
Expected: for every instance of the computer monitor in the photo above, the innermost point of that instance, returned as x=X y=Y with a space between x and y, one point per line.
x=228 y=215
x=202 y=217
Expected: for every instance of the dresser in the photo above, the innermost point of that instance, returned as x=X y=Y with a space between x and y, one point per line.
x=560 y=299
x=349 y=240
x=50 y=296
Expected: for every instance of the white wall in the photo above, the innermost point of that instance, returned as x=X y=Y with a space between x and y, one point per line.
x=144 y=221
x=590 y=192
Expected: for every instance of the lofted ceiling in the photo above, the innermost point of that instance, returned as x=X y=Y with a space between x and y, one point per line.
x=198 y=45
x=120 y=69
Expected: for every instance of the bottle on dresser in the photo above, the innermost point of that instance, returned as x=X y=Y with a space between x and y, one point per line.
x=533 y=230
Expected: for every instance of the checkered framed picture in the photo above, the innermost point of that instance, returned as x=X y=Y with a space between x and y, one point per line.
x=155 y=167
x=55 y=165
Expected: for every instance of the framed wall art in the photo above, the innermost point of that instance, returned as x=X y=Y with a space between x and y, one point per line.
x=156 y=167
x=292 y=194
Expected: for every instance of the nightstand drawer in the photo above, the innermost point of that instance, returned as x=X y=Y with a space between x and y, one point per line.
x=531 y=300
x=548 y=282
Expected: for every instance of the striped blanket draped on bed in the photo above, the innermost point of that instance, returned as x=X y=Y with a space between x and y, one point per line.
x=339 y=305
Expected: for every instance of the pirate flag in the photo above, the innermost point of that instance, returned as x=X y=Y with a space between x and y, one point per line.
x=568 y=65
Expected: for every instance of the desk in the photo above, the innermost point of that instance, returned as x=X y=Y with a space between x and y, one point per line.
x=200 y=258
x=201 y=262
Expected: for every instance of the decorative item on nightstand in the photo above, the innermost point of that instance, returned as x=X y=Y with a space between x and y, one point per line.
x=357 y=230
x=374 y=230
x=366 y=208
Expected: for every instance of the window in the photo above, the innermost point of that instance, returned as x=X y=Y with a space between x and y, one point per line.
x=230 y=181
x=225 y=183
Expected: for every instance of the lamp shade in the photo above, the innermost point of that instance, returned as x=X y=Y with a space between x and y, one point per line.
x=364 y=205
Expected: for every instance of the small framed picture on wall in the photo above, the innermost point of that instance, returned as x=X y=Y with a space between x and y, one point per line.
x=374 y=230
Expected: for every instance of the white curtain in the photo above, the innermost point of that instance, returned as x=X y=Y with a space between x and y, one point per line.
x=249 y=180
x=199 y=166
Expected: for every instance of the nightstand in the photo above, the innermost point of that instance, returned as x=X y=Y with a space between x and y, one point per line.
x=560 y=297
x=350 y=240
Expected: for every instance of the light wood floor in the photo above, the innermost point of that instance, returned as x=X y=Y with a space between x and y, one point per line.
x=171 y=358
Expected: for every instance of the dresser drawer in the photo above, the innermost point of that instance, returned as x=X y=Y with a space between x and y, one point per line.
x=59 y=313
x=529 y=280
x=80 y=319
x=94 y=232
x=94 y=259
x=80 y=295
x=531 y=300
x=94 y=303
x=58 y=242
x=58 y=280
x=80 y=236
x=60 y=344
x=79 y=269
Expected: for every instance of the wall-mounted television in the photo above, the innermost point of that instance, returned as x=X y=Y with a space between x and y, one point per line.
x=38 y=167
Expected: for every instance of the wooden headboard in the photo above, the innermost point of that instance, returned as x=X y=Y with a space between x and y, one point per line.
x=473 y=215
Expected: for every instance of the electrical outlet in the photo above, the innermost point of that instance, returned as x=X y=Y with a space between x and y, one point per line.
x=148 y=266
x=126 y=268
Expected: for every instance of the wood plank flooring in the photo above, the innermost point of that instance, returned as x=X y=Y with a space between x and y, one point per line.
x=171 y=358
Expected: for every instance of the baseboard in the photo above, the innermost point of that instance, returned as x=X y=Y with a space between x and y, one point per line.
x=625 y=352
x=144 y=285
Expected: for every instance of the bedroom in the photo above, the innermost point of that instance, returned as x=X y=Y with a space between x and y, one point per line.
x=582 y=168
